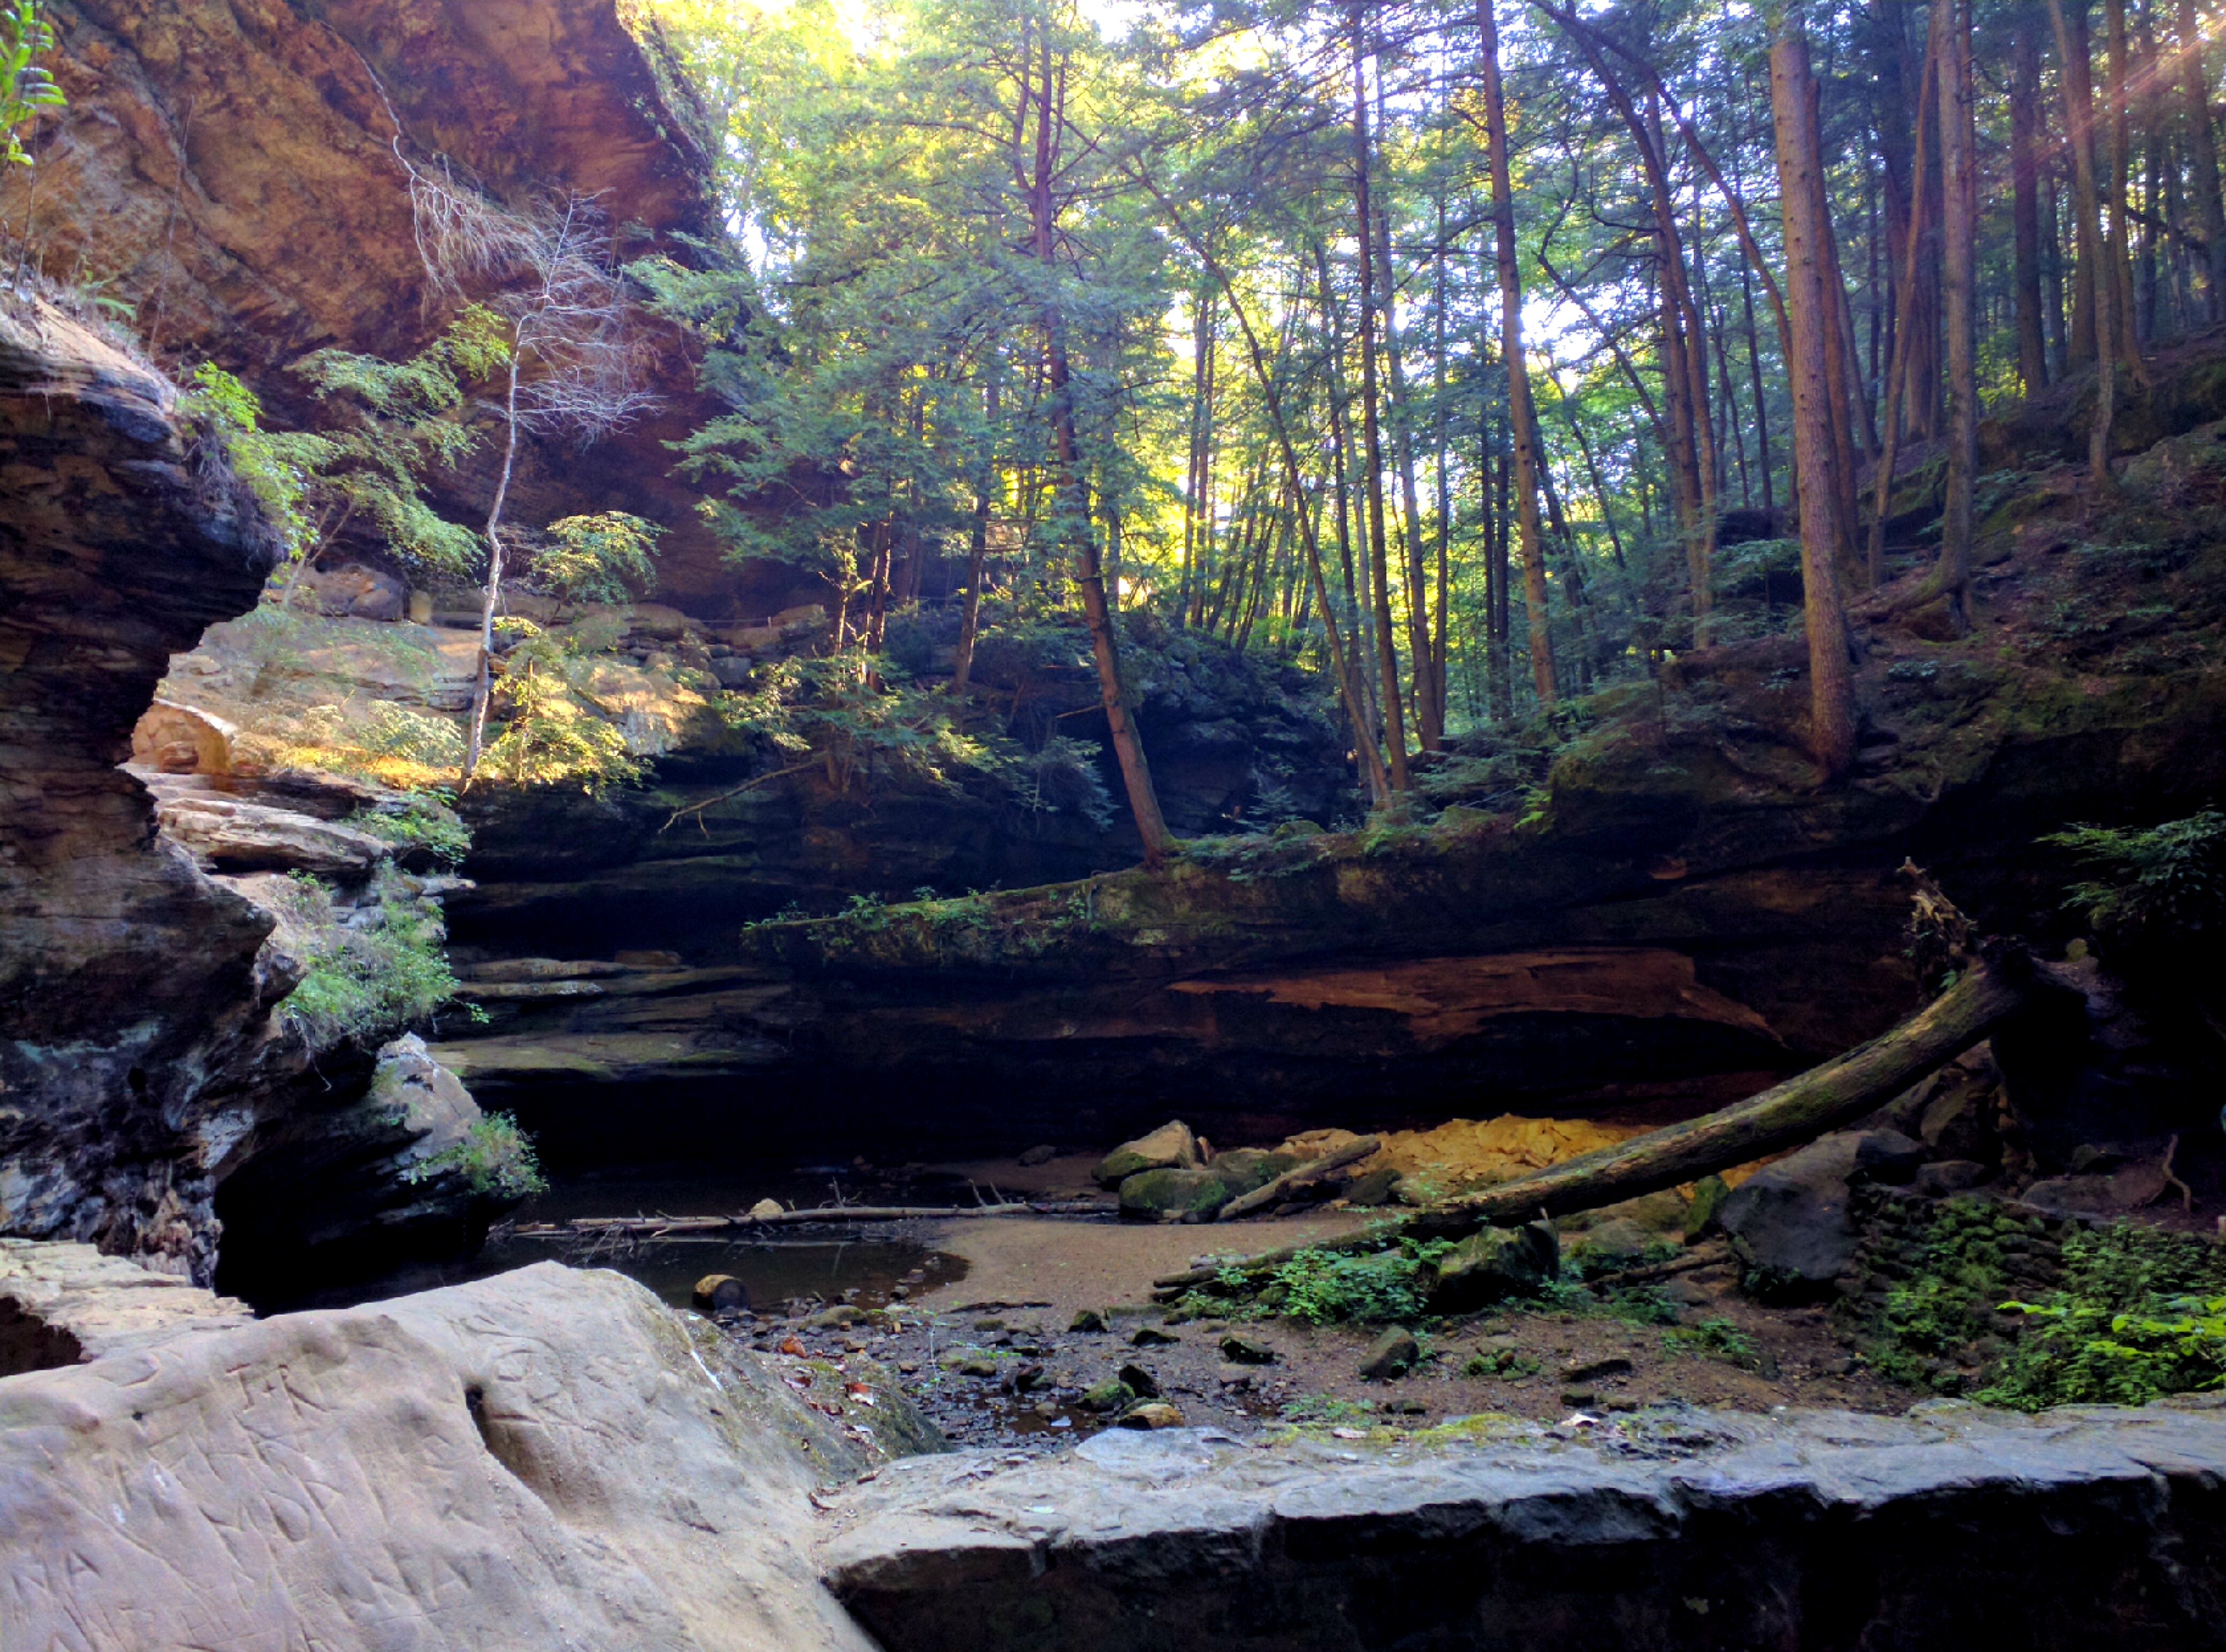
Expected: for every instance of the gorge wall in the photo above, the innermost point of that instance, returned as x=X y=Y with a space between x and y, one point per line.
x=129 y=980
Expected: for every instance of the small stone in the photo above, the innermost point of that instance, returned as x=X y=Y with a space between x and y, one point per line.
x=1578 y=1397
x=1046 y=1409
x=1153 y=1414
x=908 y=1367
x=1708 y=1196
x=1111 y=1395
x=1152 y=1336
x=1139 y=1381
x=1950 y=1175
x=989 y=1324
x=1235 y=1378
x=1042 y=1155
x=1393 y=1354
x=967 y=1363
x=1404 y=1408
x=1027 y=1377
x=1089 y=1321
x=721 y=1293
x=900 y=1291
x=1592 y=1370
x=1242 y=1351
x=764 y=1209
x=834 y=1319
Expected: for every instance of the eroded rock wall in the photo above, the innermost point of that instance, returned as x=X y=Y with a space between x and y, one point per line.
x=128 y=978
x=231 y=169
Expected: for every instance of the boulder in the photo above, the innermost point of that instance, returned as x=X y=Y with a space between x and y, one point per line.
x=353 y=592
x=229 y=835
x=1172 y=1147
x=1244 y=1350
x=1789 y=1221
x=1606 y=1246
x=1039 y=1155
x=1173 y=1195
x=63 y=1303
x=1152 y=1413
x=1495 y=1263
x=1246 y=1168
x=1391 y=1355
x=1372 y=1188
x=720 y=1294
x=1949 y=1175
x=174 y=738
x=549 y=1458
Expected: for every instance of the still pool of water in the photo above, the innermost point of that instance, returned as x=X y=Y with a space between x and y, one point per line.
x=859 y=1269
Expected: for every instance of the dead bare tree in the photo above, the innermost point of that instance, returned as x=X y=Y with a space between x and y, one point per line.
x=573 y=363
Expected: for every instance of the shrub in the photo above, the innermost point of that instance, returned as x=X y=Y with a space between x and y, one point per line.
x=1325 y=1286
x=2141 y=1314
x=364 y=983
x=495 y=1158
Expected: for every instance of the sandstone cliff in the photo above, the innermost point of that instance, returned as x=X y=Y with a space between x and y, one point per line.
x=230 y=171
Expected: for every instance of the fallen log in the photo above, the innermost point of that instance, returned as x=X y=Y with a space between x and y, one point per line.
x=655 y=1226
x=1785 y=1116
x=1298 y=1176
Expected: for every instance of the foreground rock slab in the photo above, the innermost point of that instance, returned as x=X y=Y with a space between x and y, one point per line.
x=544 y=1460
x=1951 y=1528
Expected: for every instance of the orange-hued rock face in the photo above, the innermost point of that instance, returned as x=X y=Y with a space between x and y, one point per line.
x=230 y=171
x=1442 y=999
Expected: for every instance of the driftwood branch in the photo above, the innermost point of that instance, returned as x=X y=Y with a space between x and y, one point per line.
x=1785 y=1116
x=653 y=1227
x=1275 y=1192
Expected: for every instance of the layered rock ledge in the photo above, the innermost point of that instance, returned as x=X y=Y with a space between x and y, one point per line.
x=1950 y=1528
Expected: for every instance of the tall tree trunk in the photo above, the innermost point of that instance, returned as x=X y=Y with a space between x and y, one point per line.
x=2119 y=239
x=2025 y=201
x=2202 y=162
x=1911 y=242
x=1960 y=191
x=2079 y=135
x=1127 y=743
x=1395 y=722
x=491 y=594
x=1801 y=190
x=1520 y=414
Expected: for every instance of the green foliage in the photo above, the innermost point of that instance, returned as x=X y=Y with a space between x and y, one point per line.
x=495 y=1158
x=422 y=821
x=395 y=423
x=2163 y=880
x=603 y=558
x=2143 y=1313
x=1718 y=1339
x=550 y=731
x=279 y=466
x=1509 y=1364
x=1327 y=1287
x=25 y=88
x=860 y=718
x=364 y=980
x=1326 y=1411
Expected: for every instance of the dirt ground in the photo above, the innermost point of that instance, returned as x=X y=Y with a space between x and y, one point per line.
x=994 y=1359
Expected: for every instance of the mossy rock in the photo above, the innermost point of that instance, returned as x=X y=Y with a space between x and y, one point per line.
x=1246 y=1168
x=1188 y=1195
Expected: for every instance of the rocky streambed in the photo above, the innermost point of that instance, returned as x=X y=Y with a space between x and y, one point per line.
x=552 y=1457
